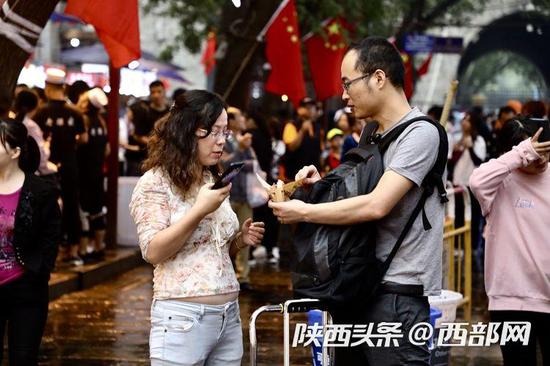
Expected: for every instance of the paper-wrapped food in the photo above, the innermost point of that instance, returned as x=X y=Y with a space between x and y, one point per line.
x=280 y=192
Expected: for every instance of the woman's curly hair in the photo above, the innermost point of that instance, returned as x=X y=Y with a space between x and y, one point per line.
x=173 y=143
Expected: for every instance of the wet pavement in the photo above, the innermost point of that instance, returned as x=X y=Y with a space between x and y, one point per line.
x=109 y=323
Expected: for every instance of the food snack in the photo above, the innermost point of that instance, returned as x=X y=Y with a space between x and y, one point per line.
x=280 y=192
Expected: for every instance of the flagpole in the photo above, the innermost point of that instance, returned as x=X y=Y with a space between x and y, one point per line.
x=112 y=160
x=250 y=52
x=311 y=34
x=261 y=35
x=240 y=70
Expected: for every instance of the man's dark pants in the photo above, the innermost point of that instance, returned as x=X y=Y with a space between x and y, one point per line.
x=386 y=307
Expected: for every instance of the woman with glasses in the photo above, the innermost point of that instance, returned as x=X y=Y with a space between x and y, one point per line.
x=187 y=230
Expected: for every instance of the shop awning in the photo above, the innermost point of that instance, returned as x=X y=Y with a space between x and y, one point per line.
x=96 y=54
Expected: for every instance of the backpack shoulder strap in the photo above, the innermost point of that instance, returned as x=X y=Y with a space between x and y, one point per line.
x=366 y=146
x=419 y=206
x=395 y=132
x=369 y=135
x=434 y=179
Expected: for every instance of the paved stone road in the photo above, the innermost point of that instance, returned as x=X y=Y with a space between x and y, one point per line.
x=109 y=324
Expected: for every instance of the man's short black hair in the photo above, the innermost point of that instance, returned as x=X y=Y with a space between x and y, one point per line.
x=40 y=93
x=156 y=83
x=435 y=111
x=307 y=101
x=378 y=53
x=177 y=93
x=76 y=89
x=505 y=110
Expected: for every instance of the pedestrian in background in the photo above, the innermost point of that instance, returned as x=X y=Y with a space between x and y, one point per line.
x=91 y=159
x=142 y=116
x=63 y=125
x=513 y=193
x=238 y=148
x=30 y=230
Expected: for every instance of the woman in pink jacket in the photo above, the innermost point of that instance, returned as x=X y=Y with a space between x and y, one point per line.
x=514 y=194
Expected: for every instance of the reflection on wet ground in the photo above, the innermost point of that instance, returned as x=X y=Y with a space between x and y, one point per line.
x=109 y=323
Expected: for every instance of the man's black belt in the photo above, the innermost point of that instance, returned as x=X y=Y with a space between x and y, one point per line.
x=400 y=289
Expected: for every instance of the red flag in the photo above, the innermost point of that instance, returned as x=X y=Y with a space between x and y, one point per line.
x=284 y=54
x=423 y=69
x=116 y=24
x=208 y=60
x=409 y=77
x=325 y=57
x=412 y=75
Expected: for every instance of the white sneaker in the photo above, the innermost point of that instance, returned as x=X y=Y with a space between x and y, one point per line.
x=259 y=252
x=275 y=252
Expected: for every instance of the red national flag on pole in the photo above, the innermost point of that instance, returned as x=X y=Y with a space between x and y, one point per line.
x=325 y=57
x=284 y=54
x=412 y=75
x=208 y=57
x=116 y=24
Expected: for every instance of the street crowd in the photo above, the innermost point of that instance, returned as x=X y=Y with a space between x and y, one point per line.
x=200 y=239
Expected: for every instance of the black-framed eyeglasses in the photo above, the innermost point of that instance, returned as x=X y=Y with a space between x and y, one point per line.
x=347 y=84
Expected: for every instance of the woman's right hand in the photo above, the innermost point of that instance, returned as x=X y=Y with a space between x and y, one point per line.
x=309 y=174
x=208 y=200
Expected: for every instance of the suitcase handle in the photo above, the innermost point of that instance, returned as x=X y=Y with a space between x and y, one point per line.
x=299 y=306
x=252 y=330
x=304 y=305
x=290 y=306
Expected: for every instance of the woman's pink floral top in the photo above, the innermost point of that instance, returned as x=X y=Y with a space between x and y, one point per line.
x=202 y=267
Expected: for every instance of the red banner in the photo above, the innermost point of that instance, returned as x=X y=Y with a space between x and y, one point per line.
x=325 y=55
x=116 y=24
x=284 y=55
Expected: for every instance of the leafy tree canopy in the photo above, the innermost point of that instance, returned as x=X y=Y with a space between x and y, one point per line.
x=382 y=17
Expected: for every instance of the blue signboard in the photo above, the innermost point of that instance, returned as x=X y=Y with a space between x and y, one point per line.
x=415 y=43
x=448 y=45
x=424 y=43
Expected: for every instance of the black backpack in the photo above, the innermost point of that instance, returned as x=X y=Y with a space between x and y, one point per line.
x=338 y=264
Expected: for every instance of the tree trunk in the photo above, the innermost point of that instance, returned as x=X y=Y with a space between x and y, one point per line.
x=239 y=29
x=12 y=57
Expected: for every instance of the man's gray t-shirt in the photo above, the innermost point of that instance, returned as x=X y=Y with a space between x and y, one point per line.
x=418 y=260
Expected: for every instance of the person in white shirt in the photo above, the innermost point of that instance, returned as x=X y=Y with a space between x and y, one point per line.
x=469 y=153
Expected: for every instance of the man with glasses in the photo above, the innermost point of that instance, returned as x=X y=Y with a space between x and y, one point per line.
x=238 y=147
x=372 y=79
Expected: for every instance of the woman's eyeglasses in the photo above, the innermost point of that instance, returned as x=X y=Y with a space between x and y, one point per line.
x=215 y=134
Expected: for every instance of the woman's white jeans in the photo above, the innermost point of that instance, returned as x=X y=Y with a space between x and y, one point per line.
x=185 y=334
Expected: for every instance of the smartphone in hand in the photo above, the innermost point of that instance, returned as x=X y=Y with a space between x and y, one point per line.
x=536 y=123
x=228 y=175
